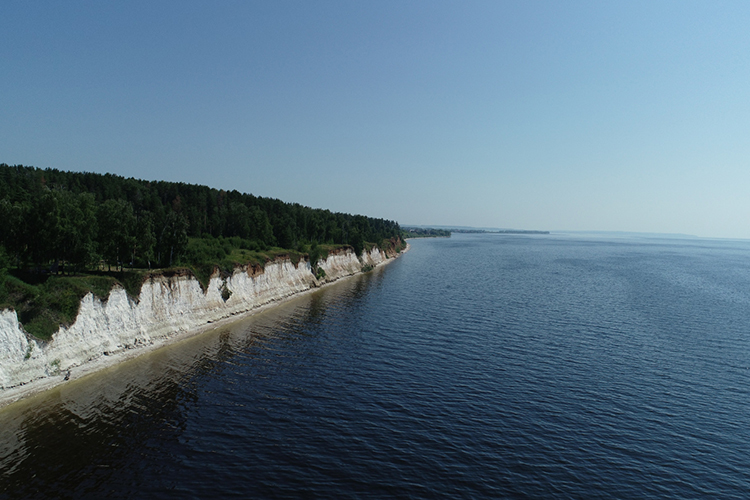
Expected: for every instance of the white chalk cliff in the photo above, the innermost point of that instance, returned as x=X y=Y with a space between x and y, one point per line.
x=166 y=307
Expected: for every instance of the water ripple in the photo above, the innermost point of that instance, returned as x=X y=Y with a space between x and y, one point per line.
x=473 y=367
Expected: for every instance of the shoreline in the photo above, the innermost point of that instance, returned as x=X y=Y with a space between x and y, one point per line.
x=19 y=393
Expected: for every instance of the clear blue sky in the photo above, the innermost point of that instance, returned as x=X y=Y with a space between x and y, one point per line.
x=624 y=116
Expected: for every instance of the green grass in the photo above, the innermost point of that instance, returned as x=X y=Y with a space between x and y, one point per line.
x=43 y=307
x=203 y=260
x=45 y=302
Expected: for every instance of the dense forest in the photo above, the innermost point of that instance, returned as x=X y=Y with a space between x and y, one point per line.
x=66 y=234
x=53 y=219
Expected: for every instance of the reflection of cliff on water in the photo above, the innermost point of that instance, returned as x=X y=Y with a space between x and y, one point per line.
x=81 y=433
x=73 y=439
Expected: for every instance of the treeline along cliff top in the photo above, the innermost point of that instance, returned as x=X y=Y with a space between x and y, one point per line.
x=70 y=223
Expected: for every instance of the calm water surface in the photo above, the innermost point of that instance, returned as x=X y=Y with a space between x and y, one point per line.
x=480 y=366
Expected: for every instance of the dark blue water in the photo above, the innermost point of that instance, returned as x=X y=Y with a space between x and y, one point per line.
x=480 y=366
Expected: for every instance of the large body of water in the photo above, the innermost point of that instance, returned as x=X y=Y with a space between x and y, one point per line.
x=480 y=366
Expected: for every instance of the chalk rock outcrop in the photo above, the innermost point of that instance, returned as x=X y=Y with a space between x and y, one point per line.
x=166 y=307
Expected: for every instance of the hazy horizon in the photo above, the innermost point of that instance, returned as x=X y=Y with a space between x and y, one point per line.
x=587 y=116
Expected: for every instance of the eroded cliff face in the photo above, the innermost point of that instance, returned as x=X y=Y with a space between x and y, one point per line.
x=166 y=307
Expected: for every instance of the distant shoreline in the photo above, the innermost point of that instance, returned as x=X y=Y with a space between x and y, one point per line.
x=446 y=230
x=502 y=231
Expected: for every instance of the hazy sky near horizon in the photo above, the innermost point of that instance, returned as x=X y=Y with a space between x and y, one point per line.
x=619 y=116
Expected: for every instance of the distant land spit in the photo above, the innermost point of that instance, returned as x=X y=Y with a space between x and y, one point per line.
x=469 y=229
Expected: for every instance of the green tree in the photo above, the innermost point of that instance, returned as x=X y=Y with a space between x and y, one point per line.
x=43 y=228
x=356 y=241
x=76 y=232
x=262 y=229
x=173 y=239
x=239 y=222
x=15 y=238
x=145 y=240
x=116 y=231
